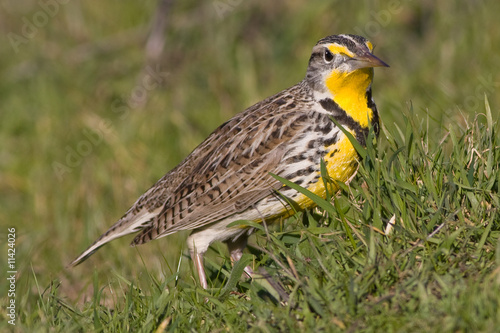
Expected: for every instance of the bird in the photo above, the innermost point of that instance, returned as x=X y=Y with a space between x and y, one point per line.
x=230 y=176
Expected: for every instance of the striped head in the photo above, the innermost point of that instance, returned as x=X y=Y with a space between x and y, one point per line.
x=340 y=61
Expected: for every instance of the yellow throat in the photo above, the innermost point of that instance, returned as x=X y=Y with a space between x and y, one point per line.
x=349 y=92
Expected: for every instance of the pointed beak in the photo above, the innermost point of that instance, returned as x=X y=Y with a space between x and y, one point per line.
x=368 y=60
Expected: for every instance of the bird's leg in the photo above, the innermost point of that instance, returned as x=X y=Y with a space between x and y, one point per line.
x=236 y=251
x=198 y=262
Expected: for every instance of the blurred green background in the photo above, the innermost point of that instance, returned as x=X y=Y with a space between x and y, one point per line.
x=89 y=118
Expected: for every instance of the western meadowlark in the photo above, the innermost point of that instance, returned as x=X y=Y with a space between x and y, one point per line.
x=228 y=177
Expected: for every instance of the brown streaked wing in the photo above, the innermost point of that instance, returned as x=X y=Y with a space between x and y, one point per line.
x=234 y=174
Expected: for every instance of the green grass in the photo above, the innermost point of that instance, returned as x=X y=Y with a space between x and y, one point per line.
x=433 y=173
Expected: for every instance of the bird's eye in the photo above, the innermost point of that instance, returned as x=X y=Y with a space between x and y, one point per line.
x=328 y=55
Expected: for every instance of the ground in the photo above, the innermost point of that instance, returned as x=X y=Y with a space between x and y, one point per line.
x=91 y=117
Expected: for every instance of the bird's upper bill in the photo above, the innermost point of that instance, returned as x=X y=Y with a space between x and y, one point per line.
x=367 y=59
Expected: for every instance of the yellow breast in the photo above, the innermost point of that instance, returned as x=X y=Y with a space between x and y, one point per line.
x=341 y=163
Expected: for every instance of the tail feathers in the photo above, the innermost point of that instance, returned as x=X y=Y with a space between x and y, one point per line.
x=87 y=253
x=123 y=227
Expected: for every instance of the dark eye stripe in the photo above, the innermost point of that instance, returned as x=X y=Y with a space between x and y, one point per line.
x=316 y=55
